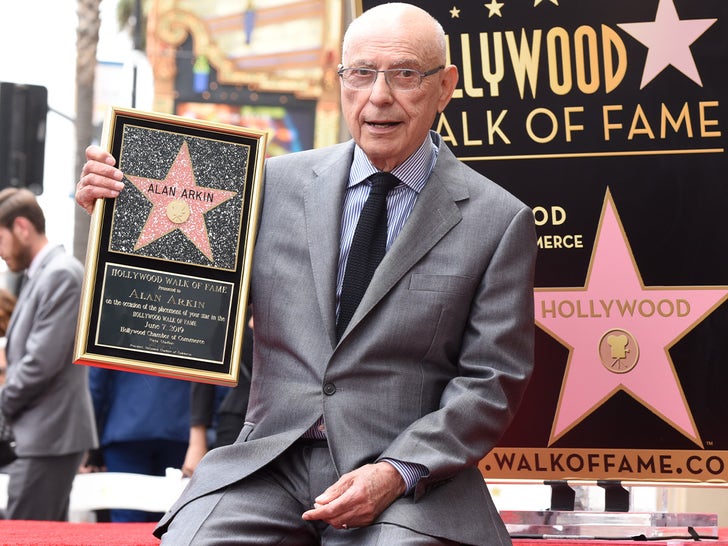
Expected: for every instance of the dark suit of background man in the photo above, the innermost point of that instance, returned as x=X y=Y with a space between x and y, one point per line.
x=45 y=397
x=429 y=371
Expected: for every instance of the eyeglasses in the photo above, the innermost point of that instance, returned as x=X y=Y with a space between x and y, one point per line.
x=399 y=79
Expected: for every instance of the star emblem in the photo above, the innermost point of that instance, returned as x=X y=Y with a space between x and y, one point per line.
x=494 y=8
x=178 y=203
x=455 y=13
x=619 y=333
x=668 y=40
x=537 y=2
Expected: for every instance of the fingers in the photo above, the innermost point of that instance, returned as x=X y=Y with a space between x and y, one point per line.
x=334 y=506
x=339 y=515
x=335 y=491
x=97 y=153
x=91 y=188
x=357 y=498
x=99 y=178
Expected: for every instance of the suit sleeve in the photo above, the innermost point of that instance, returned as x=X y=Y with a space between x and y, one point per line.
x=494 y=365
x=52 y=333
x=101 y=387
x=202 y=404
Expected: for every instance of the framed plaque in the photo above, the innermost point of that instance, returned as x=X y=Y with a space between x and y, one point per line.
x=168 y=261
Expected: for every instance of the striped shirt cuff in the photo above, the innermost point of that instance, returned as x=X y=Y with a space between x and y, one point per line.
x=411 y=473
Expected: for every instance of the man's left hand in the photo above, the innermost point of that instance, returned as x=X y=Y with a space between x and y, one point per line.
x=358 y=497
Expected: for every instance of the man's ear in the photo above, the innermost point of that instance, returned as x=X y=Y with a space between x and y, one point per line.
x=448 y=83
x=21 y=228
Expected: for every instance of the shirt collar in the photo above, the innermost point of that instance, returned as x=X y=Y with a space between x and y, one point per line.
x=414 y=172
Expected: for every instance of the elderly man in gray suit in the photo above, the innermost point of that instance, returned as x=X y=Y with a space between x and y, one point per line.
x=370 y=432
x=45 y=398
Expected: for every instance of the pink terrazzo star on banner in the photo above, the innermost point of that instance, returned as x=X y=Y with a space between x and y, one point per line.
x=619 y=333
x=178 y=203
x=668 y=40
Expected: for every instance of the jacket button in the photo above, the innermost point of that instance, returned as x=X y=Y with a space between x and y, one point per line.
x=329 y=389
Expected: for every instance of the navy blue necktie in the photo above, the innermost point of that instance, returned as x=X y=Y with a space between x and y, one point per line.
x=367 y=248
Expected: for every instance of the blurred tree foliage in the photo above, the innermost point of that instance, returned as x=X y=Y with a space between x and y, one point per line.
x=131 y=16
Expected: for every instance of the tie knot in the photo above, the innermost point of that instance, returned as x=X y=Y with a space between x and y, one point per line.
x=383 y=182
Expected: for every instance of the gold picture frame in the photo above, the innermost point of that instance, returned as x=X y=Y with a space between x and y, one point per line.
x=168 y=262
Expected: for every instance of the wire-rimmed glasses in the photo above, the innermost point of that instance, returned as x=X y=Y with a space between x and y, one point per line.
x=399 y=79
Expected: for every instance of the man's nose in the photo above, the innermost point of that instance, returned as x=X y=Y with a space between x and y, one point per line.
x=380 y=90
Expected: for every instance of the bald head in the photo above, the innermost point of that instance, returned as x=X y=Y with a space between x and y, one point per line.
x=423 y=31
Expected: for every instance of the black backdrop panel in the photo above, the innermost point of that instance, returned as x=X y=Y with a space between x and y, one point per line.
x=606 y=118
x=23 y=111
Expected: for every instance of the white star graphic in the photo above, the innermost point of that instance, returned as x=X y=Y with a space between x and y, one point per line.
x=494 y=8
x=455 y=13
x=537 y=2
x=668 y=40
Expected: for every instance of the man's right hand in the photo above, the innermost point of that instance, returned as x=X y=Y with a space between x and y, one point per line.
x=99 y=178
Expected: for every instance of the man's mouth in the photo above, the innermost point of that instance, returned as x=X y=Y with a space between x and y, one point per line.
x=382 y=124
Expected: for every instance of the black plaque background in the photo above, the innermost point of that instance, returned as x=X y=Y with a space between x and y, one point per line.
x=670 y=193
x=160 y=364
x=213 y=162
x=177 y=334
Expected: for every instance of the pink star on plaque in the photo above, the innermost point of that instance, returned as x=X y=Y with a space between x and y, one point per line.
x=178 y=203
x=668 y=40
x=619 y=333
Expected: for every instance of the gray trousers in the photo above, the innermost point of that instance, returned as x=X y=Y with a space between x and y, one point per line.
x=39 y=487
x=266 y=507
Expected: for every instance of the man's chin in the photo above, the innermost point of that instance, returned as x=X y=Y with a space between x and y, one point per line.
x=382 y=150
x=384 y=162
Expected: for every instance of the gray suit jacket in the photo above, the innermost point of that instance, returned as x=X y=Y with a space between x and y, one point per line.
x=46 y=397
x=434 y=361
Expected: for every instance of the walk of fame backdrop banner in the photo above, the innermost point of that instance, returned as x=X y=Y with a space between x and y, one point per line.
x=605 y=117
x=167 y=270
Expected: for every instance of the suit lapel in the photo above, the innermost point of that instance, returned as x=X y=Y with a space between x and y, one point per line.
x=323 y=201
x=434 y=215
x=26 y=289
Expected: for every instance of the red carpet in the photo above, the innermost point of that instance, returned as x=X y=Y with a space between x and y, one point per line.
x=51 y=533
x=722 y=541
